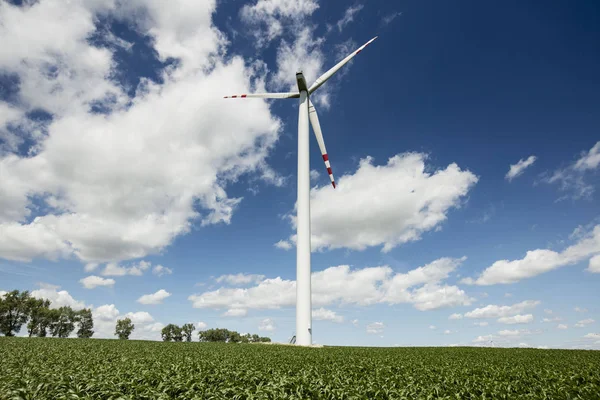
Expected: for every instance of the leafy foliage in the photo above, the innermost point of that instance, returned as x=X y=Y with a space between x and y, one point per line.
x=85 y=323
x=39 y=368
x=227 y=336
x=172 y=332
x=13 y=312
x=16 y=308
x=124 y=328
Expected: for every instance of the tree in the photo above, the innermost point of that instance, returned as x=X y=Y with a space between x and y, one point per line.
x=172 y=332
x=63 y=322
x=13 y=312
x=124 y=328
x=85 y=322
x=37 y=309
x=187 y=331
x=224 y=335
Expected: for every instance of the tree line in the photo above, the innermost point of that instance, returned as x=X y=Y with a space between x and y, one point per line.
x=20 y=308
x=175 y=333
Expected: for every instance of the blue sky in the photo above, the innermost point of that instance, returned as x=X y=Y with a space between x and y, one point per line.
x=124 y=172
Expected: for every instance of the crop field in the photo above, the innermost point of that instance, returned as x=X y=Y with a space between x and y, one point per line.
x=46 y=368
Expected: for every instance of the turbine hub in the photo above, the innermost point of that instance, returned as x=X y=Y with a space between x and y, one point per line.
x=301 y=82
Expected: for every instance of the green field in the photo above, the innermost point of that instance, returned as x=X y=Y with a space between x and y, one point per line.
x=46 y=368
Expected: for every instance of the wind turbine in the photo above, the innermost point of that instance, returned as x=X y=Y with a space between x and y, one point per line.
x=306 y=112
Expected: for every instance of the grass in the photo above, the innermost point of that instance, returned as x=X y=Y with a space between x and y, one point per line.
x=46 y=368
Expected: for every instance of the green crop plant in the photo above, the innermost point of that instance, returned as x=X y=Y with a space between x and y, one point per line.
x=52 y=368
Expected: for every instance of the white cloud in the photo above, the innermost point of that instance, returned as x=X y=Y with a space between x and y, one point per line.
x=455 y=316
x=518 y=168
x=323 y=314
x=236 y=312
x=240 y=279
x=58 y=298
x=571 y=179
x=589 y=160
x=106 y=316
x=548 y=311
x=94 y=281
x=375 y=327
x=314 y=175
x=594 y=264
x=538 y=261
x=94 y=208
x=562 y=326
x=160 y=270
x=272 y=16
x=284 y=245
x=555 y=319
x=514 y=333
x=481 y=324
x=432 y=327
x=447 y=332
x=154 y=298
x=507 y=294
x=494 y=311
x=584 y=323
x=341 y=285
x=89 y=267
x=404 y=201
x=592 y=336
x=348 y=16
x=266 y=324
x=516 y=319
x=386 y=20
x=113 y=269
x=140 y=317
x=201 y=325
x=580 y=310
x=355 y=322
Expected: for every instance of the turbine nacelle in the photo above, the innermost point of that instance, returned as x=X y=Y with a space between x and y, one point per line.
x=301 y=82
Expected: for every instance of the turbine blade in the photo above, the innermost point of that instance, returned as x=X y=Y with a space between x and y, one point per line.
x=323 y=78
x=264 y=96
x=314 y=121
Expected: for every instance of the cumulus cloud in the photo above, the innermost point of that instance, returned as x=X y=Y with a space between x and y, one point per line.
x=240 y=279
x=571 y=179
x=516 y=319
x=420 y=287
x=580 y=309
x=94 y=208
x=404 y=202
x=518 y=168
x=58 y=298
x=375 y=327
x=323 y=314
x=154 y=298
x=495 y=311
x=355 y=322
x=94 y=281
x=284 y=245
x=455 y=316
x=266 y=324
x=236 y=312
x=562 y=326
x=584 y=322
x=200 y=325
x=594 y=265
x=160 y=270
x=539 y=261
x=432 y=327
x=481 y=323
x=106 y=316
x=269 y=18
x=113 y=269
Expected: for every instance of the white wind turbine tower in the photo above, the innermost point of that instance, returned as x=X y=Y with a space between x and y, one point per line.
x=306 y=112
